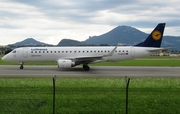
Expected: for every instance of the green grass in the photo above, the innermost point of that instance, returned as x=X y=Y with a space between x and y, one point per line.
x=90 y=95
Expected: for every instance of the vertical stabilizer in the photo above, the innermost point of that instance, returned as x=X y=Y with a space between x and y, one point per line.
x=155 y=38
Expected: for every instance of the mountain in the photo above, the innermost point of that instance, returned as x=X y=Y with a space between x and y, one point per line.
x=30 y=42
x=171 y=41
x=121 y=34
x=69 y=42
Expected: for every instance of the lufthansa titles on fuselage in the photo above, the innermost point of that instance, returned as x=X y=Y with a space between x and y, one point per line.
x=39 y=49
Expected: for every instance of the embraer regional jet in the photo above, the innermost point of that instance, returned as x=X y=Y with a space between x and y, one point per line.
x=67 y=57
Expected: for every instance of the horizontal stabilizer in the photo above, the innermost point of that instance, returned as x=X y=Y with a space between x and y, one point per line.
x=159 y=49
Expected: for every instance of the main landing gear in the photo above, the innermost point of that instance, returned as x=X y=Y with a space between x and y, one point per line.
x=21 y=66
x=86 y=67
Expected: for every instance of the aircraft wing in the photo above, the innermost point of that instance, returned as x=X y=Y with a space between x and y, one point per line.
x=90 y=59
x=85 y=59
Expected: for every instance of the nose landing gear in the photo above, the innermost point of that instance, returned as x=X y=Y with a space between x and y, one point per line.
x=21 y=65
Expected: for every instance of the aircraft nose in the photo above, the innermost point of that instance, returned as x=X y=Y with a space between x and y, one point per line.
x=4 y=58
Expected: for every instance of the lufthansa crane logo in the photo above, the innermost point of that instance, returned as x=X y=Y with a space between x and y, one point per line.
x=156 y=35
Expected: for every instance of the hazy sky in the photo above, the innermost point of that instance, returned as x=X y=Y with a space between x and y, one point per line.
x=50 y=21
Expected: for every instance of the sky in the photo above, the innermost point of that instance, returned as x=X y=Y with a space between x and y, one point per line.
x=50 y=21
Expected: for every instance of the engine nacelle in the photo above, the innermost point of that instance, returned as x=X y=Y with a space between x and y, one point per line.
x=62 y=63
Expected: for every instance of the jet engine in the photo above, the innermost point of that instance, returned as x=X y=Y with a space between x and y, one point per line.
x=62 y=63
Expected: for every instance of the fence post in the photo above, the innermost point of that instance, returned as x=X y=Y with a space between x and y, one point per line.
x=54 y=93
x=127 y=87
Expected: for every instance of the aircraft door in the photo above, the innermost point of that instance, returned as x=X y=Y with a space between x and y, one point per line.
x=25 y=52
x=132 y=51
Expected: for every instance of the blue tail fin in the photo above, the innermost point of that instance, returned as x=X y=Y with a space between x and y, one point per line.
x=155 y=38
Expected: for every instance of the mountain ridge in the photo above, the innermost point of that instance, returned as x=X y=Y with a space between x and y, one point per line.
x=30 y=42
x=121 y=34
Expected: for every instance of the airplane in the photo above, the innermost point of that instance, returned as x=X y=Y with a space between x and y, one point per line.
x=68 y=57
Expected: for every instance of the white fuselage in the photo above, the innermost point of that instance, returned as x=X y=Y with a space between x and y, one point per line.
x=45 y=54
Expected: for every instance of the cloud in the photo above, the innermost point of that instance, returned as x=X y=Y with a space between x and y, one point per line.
x=89 y=11
x=52 y=20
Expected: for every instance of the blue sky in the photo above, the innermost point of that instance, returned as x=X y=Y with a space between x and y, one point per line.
x=50 y=21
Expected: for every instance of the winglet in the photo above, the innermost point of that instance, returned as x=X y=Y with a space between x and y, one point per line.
x=112 y=52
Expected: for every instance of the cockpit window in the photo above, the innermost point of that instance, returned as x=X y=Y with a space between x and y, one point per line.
x=14 y=51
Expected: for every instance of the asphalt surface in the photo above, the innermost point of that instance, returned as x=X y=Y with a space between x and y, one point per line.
x=95 y=71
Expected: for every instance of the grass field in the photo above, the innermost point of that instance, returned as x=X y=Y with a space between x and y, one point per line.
x=90 y=95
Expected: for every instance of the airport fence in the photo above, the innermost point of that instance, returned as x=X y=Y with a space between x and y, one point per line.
x=47 y=100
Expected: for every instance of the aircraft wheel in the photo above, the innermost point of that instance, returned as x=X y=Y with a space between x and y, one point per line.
x=21 y=67
x=86 y=67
